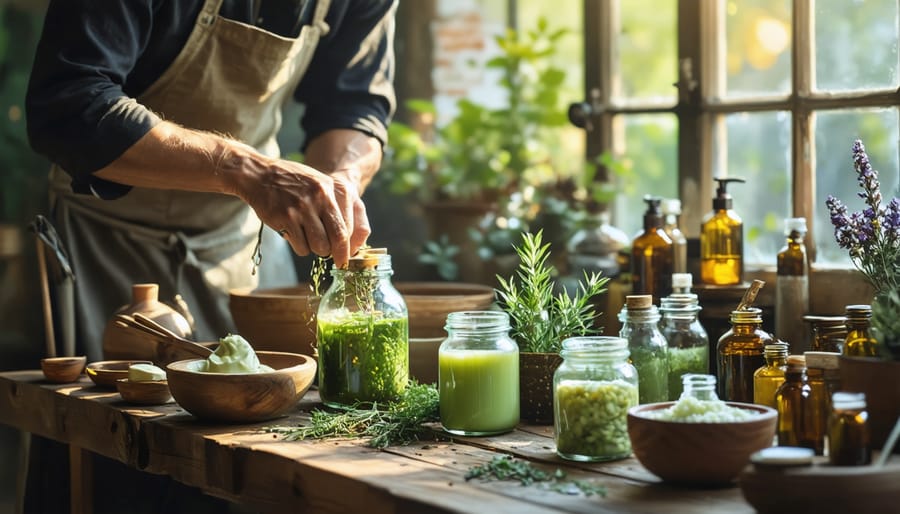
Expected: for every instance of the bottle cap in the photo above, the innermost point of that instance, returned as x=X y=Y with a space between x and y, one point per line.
x=368 y=259
x=859 y=310
x=774 y=349
x=794 y=225
x=671 y=206
x=822 y=360
x=844 y=400
x=638 y=301
x=682 y=280
x=783 y=456
x=796 y=361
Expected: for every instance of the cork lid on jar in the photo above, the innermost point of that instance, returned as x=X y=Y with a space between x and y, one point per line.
x=638 y=301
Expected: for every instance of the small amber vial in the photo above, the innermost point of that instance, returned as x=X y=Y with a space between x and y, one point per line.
x=828 y=333
x=740 y=354
x=859 y=342
x=848 y=430
x=792 y=399
x=817 y=364
x=768 y=378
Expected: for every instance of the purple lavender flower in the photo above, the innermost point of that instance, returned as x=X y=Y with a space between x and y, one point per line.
x=866 y=176
x=892 y=220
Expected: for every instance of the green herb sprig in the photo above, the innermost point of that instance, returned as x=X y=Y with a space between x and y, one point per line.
x=399 y=423
x=317 y=274
x=540 y=318
x=504 y=467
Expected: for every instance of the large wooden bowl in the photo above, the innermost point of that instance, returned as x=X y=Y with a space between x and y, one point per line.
x=279 y=320
x=698 y=454
x=429 y=303
x=242 y=397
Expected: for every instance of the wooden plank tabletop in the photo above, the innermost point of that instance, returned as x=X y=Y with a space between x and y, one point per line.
x=244 y=464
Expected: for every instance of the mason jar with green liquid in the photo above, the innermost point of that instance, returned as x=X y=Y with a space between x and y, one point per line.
x=362 y=334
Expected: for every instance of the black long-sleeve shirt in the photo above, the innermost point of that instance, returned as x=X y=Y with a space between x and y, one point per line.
x=95 y=56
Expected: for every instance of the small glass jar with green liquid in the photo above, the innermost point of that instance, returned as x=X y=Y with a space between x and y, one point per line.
x=362 y=334
x=478 y=374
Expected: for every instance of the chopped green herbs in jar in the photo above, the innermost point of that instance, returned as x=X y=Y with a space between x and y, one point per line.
x=593 y=418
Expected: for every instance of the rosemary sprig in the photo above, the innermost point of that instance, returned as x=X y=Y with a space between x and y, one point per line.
x=540 y=319
x=504 y=467
x=400 y=422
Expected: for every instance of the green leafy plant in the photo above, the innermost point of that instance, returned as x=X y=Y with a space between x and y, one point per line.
x=504 y=467
x=399 y=422
x=541 y=319
x=440 y=254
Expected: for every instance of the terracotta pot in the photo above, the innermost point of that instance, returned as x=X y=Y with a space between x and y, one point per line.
x=127 y=343
x=880 y=381
x=536 y=386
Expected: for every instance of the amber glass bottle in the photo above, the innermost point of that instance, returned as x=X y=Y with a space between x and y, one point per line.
x=792 y=400
x=722 y=240
x=768 y=378
x=828 y=333
x=652 y=255
x=848 y=430
x=859 y=342
x=818 y=364
x=740 y=354
x=792 y=286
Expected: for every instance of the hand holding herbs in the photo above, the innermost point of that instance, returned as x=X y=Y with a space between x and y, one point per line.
x=540 y=319
x=399 y=422
x=504 y=467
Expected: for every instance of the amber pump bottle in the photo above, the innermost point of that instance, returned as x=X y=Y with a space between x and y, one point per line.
x=722 y=240
x=792 y=286
x=795 y=424
x=652 y=255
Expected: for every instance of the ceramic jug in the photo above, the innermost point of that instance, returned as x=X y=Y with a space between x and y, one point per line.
x=126 y=343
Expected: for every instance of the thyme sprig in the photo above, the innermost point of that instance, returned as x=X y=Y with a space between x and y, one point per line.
x=398 y=423
x=540 y=318
x=504 y=467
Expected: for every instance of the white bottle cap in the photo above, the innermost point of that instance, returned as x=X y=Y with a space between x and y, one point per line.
x=842 y=400
x=682 y=280
x=794 y=224
x=671 y=206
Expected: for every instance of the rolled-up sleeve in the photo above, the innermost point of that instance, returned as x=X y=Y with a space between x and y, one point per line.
x=77 y=112
x=349 y=83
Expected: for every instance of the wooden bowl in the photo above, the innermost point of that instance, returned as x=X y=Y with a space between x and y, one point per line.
x=278 y=320
x=106 y=373
x=242 y=397
x=148 y=392
x=63 y=370
x=698 y=454
x=429 y=303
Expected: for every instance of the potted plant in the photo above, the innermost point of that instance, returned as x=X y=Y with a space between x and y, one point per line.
x=541 y=317
x=872 y=238
x=487 y=163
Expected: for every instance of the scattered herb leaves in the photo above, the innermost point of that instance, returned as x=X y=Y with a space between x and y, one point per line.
x=504 y=467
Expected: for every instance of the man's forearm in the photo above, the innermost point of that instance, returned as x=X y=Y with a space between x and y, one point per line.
x=349 y=152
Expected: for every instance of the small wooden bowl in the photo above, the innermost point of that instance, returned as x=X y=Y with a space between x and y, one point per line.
x=105 y=373
x=148 y=392
x=63 y=370
x=242 y=397
x=698 y=454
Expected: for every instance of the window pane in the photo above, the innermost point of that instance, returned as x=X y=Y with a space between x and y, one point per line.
x=835 y=132
x=758 y=58
x=651 y=151
x=647 y=52
x=759 y=151
x=856 y=44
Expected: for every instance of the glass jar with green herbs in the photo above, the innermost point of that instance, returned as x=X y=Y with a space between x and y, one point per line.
x=362 y=334
x=688 y=343
x=648 y=347
x=593 y=389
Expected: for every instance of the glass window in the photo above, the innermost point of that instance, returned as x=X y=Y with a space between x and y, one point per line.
x=647 y=52
x=856 y=44
x=758 y=57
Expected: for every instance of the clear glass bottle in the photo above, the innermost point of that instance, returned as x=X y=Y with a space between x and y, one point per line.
x=687 y=340
x=767 y=379
x=671 y=209
x=647 y=345
x=859 y=341
x=596 y=246
x=792 y=399
x=701 y=387
x=792 y=285
x=740 y=353
x=848 y=430
x=362 y=334
x=817 y=363
x=828 y=333
x=593 y=389
x=652 y=255
x=478 y=374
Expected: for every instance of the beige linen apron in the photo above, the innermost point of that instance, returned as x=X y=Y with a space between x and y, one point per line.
x=230 y=78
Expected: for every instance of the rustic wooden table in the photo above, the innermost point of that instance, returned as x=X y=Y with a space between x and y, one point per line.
x=248 y=466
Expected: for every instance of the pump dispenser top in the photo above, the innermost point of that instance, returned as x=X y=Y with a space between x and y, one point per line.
x=722 y=240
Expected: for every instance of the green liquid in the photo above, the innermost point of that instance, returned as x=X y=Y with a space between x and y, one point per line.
x=685 y=360
x=479 y=391
x=653 y=374
x=362 y=358
x=592 y=419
